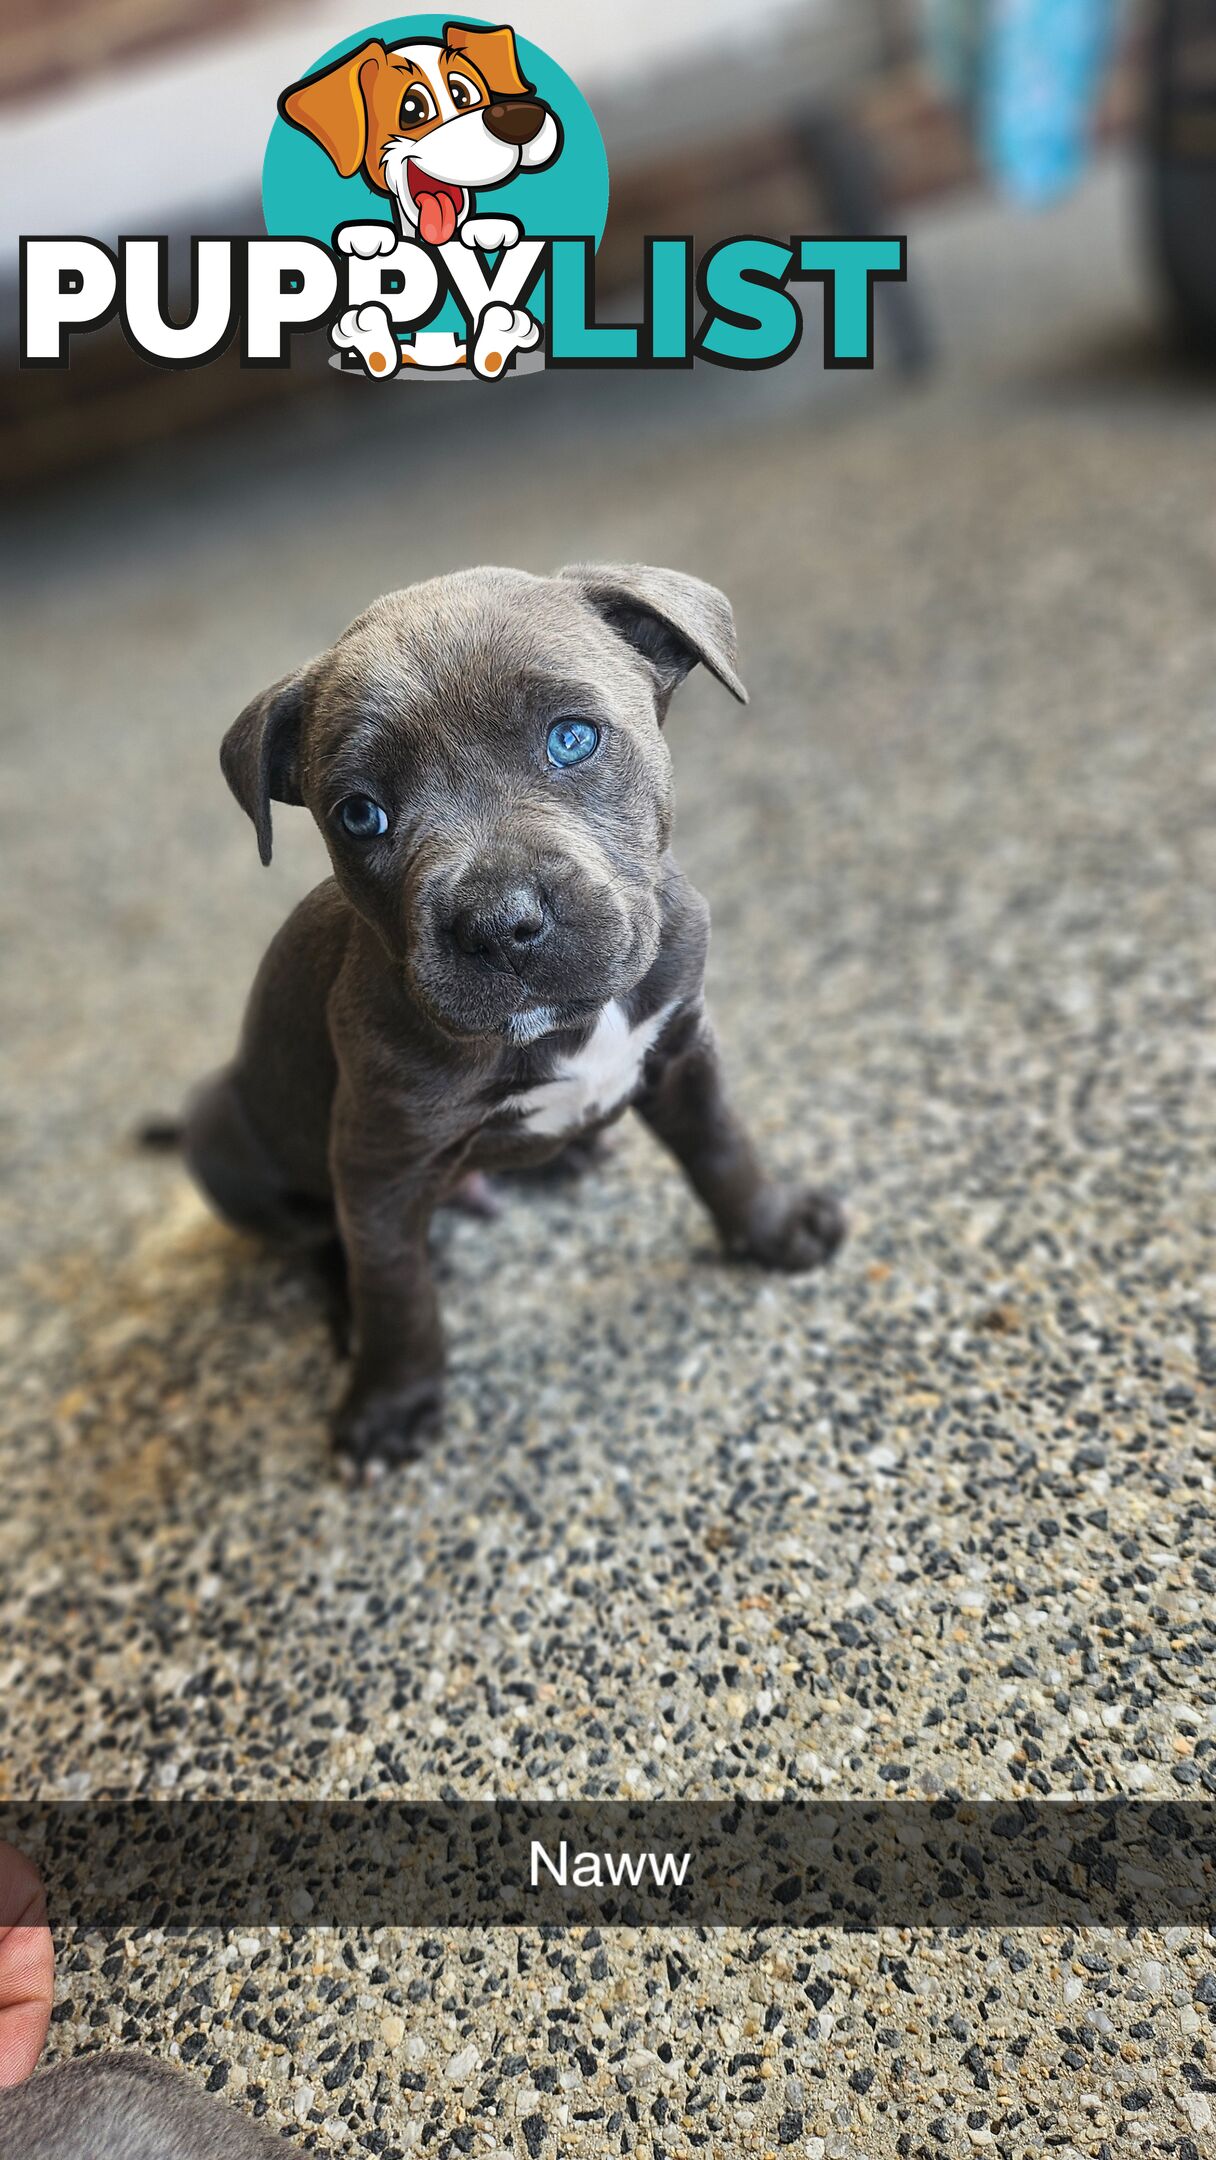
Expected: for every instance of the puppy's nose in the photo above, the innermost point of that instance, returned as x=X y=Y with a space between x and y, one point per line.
x=505 y=931
x=519 y=122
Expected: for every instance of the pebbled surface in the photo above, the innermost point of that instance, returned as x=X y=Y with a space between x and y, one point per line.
x=940 y=1517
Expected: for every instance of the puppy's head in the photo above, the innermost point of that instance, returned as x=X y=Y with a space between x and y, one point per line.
x=483 y=755
x=428 y=121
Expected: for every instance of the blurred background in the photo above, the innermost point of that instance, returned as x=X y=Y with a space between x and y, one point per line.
x=138 y=116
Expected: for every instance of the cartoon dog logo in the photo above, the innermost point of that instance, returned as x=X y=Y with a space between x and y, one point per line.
x=430 y=123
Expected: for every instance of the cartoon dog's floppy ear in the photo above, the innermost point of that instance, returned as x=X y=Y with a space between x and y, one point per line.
x=493 y=54
x=671 y=619
x=332 y=106
x=260 y=754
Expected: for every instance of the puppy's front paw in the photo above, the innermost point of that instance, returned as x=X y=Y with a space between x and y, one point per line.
x=490 y=233
x=378 y=1433
x=366 y=241
x=793 y=1227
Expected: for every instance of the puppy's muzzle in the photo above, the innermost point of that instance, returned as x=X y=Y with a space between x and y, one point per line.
x=505 y=931
x=518 y=123
x=524 y=907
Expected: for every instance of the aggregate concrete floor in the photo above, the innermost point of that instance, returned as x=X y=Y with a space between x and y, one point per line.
x=938 y=1519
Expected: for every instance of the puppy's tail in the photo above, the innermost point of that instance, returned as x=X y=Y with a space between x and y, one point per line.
x=161 y=1136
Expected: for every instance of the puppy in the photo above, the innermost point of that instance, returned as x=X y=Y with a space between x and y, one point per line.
x=427 y=123
x=506 y=957
x=126 y=2107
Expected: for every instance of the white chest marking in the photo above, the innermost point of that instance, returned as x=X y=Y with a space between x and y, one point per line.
x=596 y=1079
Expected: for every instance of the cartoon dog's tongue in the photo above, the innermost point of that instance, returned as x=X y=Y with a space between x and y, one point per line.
x=436 y=218
x=438 y=205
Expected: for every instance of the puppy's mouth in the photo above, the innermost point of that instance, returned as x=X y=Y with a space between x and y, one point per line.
x=439 y=204
x=591 y=947
x=533 y=1022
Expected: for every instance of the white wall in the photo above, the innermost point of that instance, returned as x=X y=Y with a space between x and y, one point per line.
x=143 y=146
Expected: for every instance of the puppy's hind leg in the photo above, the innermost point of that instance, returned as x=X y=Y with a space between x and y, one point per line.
x=333 y=1281
x=587 y=1151
x=230 y=1163
x=475 y=1195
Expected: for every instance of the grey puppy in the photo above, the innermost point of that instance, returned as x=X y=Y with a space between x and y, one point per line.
x=126 y=2107
x=506 y=957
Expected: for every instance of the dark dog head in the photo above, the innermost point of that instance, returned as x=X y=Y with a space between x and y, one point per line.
x=483 y=756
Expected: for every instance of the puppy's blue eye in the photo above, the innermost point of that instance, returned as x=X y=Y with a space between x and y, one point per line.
x=362 y=818
x=570 y=741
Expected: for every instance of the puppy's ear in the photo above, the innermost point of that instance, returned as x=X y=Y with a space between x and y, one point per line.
x=260 y=754
x=493 y=54
x=671 y=619
x=332 y=106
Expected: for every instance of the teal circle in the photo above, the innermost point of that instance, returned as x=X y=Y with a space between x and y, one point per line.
x=302 y=192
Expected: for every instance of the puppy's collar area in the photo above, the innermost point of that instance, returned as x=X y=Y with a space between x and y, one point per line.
x=596 y=1077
